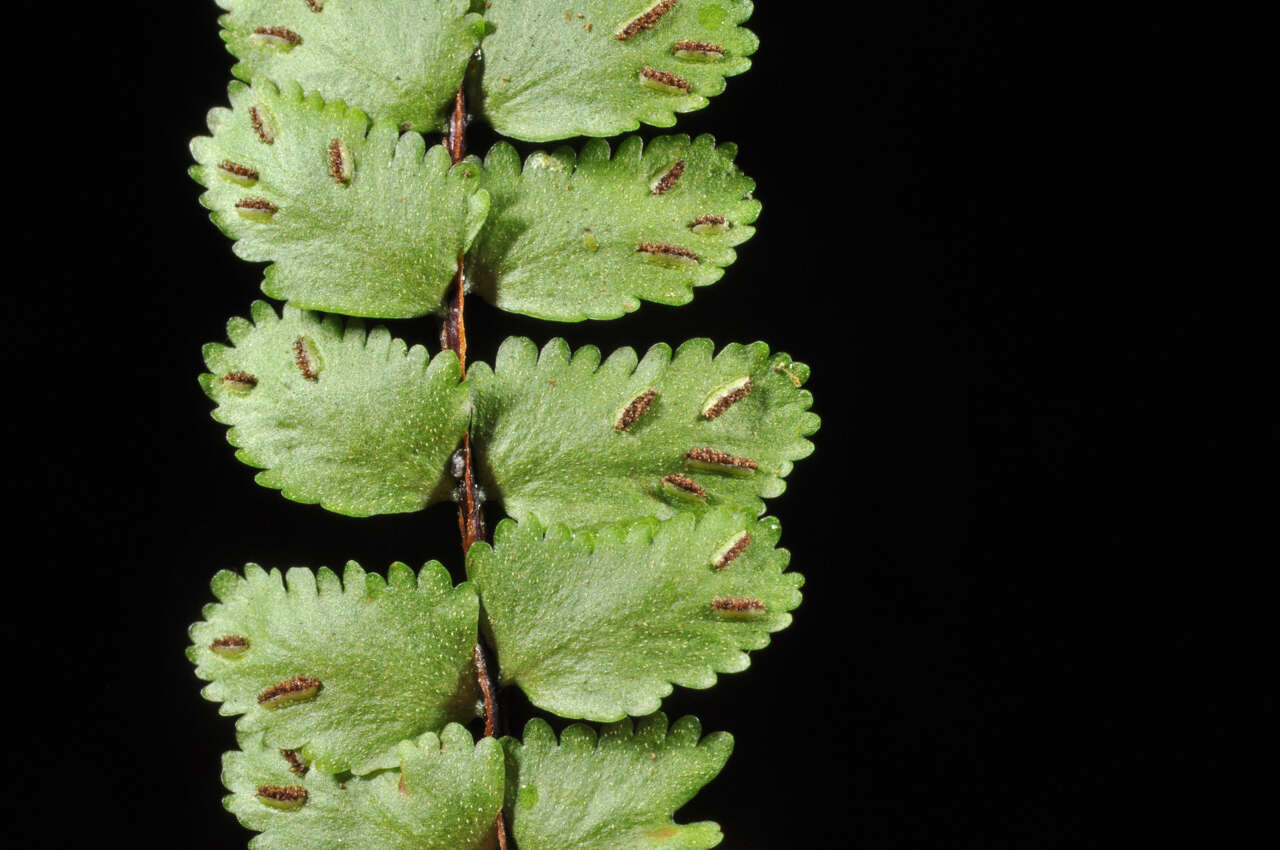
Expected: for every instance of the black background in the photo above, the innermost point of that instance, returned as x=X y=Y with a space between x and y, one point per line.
x=969 y=232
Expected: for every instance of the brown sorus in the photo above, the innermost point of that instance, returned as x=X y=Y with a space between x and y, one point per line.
x=279 y=32
x=339 y=169
x=287 y=796
x=731 y=554
x=244 y=379
x=665 y=78
x=709 y=220
x=238 y=170
x=666 y=181
x=230 y=642
x=302 y=357
x=315 y=5
x=719 y=458
x=703 y=47
x=646 y=20
x=301 y=686
x=737 y=605
x=259 y=204
x=664 y=249
x=260 y=126
x=685 y=484
x=728 y=400
x=296 y=764
x=635 y=409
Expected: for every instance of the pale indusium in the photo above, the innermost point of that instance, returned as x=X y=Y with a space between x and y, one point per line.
x=634 y=555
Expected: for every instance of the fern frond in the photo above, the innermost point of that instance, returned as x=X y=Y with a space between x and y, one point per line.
x=401 y=60
x=339 y=670
x=590 y=236
x=605 y=66
x=599 y=625
x=566 y=437
x=443 y=796
x=352 y=420
x=356 y=220
x=619 y=789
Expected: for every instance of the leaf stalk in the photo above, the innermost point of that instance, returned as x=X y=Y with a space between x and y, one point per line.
x=471 y=524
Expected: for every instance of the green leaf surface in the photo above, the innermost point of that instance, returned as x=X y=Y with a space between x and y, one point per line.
x=357 y=220
x=369 y=432
x=598 y=625
x=554 y=70
x=339 y=670
x=546 y=428
x=575 y=238
x=615 y=793
x=401 y=60
x=444 y=796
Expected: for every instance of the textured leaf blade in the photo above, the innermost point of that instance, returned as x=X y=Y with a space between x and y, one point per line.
x=370 y=433
x=618 y=790
x=574 y=238
x=401 y=61
x=551 y=73
x=339 y=670
x=598 y=625
x=356 y=220
x=444 y=796
x=547 y=429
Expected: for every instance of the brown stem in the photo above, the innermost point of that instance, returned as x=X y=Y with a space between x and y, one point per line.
x=486 y=687
x=457 y=140
x=453 y=336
